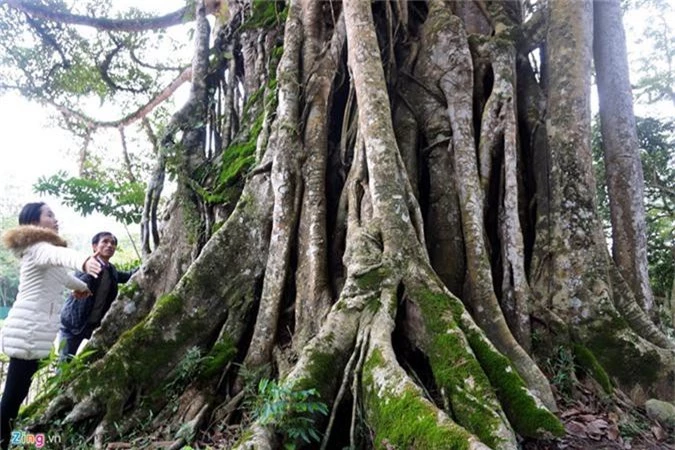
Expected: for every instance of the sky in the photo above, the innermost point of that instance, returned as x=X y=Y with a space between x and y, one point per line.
x=31 y=146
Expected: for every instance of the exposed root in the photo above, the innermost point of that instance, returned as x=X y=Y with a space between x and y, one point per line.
x=326 y=352
x=458 y=374
x=347 y=375
x=260 y=438
x=445 y=240
x=356 y=386
x=313 y=295
x=445 y=34
x=452 y=336
x=190 y=427
x=222 y=412
x=54 y=409
x=286 y=186
x=86 y=408
x=499 y=133
x=395 y=406
x=628 y=307
x=103 y=431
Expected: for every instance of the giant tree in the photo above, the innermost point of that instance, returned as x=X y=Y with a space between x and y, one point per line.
x=391 y=203
x=625 y=181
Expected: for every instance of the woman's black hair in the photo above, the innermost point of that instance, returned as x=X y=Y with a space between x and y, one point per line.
x=30 y=213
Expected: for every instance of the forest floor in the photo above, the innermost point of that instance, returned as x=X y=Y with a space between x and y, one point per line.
x=592 y=422
x=611 y=423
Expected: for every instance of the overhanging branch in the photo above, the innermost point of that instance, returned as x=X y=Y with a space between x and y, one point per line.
x=133 y=25
x=139 y=114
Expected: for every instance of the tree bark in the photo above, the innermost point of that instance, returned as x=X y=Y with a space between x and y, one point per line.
x=625 y=182
x=572 y=271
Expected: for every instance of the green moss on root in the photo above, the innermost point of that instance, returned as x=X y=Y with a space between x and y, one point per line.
x=129 y=289
x=587 y=360
x=622 y=358
x=38 y=406
x=527 y=416
x=218 y=357
x=321 y=373
x=457 y=372
x=139 y=355
x=167 y=306
x=371 y=279
x=405 y=421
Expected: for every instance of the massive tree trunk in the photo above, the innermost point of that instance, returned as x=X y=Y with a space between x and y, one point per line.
x=625 y=182
x=420 y=200
x=573 y=275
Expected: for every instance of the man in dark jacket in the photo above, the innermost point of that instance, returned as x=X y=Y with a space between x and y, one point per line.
x=79 y=317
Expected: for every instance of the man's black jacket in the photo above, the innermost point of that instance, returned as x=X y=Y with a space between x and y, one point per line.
x=75 y=313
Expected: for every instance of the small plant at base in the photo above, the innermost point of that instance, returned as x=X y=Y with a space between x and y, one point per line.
x=633 y=425
x=187 y=369
x=561 y=366
x=290 y=412
x=186 y=432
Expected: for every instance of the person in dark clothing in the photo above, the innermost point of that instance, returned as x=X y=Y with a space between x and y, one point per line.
x=80 y=317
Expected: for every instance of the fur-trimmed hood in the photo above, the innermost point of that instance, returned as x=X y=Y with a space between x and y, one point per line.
x=33 y=321
x=19 y=238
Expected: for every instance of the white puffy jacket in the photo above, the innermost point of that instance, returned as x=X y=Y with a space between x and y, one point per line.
x=33 y=321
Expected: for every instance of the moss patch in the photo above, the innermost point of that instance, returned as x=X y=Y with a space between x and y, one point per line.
x=526 y=416
x=587 y=360
x=240 y=156
x=406 y=421
x=140 y=355
x=167 y=306
x=322 y=369
x=217 y=358
x=622 y=358
x=38 y=406
x=265 y=14
x=371 y=279
x=128 y=290
x=456 y=370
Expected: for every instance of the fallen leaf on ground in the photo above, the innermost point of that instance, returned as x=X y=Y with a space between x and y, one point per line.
x=576 y=428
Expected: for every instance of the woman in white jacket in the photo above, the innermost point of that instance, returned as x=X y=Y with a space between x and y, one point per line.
x=33 y=321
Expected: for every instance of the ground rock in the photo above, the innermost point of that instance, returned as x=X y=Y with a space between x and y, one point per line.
x=662 y=412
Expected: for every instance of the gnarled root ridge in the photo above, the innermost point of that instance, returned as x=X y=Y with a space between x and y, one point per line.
x=471 y=396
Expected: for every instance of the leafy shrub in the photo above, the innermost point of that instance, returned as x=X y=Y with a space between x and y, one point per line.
x=291 y=412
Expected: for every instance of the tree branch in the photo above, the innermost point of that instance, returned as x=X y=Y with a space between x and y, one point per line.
x=104 y=24
x=140 y=113
x=104 y=68
x=137 y=60
x=48 y=39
